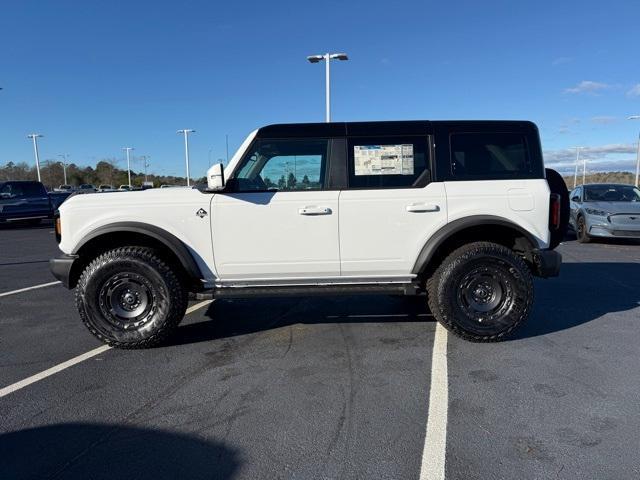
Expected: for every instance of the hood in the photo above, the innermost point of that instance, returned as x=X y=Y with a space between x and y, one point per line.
x=614 y=207
x=135 y=199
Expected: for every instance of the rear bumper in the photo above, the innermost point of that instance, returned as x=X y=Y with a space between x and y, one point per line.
x=61 y=268
x=546 y=263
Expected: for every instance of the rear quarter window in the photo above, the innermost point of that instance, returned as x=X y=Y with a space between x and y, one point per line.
x=489 y=155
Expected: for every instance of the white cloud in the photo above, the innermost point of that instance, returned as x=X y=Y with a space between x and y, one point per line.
x=587 y=86
x=604 y=119
x=634 y=91
x=612 y=157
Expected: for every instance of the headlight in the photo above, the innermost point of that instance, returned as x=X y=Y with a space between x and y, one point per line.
x=593 y=211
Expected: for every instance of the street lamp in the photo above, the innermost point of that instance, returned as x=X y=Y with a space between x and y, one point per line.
x=637 y=117
x=575 y=174
x=34 y=137
x=128 y=149
x=64 y=165
x=327 y=57
x=186 y=133
x=146 y=164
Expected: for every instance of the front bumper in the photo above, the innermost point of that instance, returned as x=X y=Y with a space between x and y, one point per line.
x=61 y=268
x=598 y=230
x=546 y=263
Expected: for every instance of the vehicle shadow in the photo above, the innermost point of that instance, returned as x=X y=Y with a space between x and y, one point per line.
x=234 y=317
x=103 y=451
x=584 y=292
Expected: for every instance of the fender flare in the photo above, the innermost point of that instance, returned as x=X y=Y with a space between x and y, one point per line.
x=444 y=233
x=169 y=240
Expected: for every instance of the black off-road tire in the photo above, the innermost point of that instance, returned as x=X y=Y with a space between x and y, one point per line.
x=123 y=282
x=581 y=231
x=476 y=273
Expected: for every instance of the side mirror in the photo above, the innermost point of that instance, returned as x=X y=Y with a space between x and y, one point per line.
x=575 y=198
x=215 y=177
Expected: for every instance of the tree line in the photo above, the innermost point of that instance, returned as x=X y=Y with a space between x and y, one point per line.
x=106 y=172
x=602 y=177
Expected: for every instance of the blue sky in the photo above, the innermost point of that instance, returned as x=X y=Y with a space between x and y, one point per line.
x=95 y=76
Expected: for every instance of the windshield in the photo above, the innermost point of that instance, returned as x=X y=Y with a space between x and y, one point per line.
x=611 y=193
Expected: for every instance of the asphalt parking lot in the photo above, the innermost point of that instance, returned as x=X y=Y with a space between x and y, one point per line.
x=336 y=387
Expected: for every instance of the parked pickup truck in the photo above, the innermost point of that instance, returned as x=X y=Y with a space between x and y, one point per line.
x=27 y=201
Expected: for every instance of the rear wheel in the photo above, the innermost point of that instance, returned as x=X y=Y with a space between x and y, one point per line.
x=130 y=298
x=481 y=292
x=581 y=231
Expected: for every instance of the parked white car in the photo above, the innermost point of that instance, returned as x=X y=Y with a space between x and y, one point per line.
x=461 y=210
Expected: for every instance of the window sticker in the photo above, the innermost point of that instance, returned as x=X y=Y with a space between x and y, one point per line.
x=383 y=159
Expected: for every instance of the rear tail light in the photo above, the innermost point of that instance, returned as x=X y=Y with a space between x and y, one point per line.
x=554 y=213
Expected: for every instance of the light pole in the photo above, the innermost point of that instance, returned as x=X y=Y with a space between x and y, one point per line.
x=186 y=133
x=146 y=164
x=64 y=165
x=34 y=137
x=637 y=117
x=584 y=170
x=128 y=150
x=327 y=57
x=575 y=174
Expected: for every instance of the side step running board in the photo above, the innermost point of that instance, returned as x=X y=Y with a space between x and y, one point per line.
x=310 y=290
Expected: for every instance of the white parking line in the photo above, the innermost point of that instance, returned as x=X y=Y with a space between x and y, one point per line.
x=435 y=440
x=74 y=361
x=13 y=292
x=50 y=371
x=197 y=306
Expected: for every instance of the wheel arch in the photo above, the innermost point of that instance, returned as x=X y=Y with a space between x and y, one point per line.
x=135 y=234
x=473 y=229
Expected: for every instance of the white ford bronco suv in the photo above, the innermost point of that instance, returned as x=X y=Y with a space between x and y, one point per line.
x=463 y=211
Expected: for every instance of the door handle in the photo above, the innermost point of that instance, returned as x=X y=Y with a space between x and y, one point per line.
x=314 y=211
x=422 y=207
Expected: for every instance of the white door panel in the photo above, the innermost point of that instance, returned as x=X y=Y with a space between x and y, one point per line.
x=383 y=230
x=276 y=234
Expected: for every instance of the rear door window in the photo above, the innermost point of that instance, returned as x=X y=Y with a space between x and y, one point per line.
x=32 y=190
x=387 y=162
x=489 y=155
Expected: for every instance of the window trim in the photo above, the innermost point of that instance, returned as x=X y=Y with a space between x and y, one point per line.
x=517 y=175
x=421 y=181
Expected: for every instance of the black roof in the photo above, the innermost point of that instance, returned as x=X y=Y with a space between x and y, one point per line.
x=401 y=127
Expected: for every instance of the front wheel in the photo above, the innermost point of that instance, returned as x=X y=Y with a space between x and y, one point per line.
x=130 y=298
x=581 y=232
x=481 y=292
